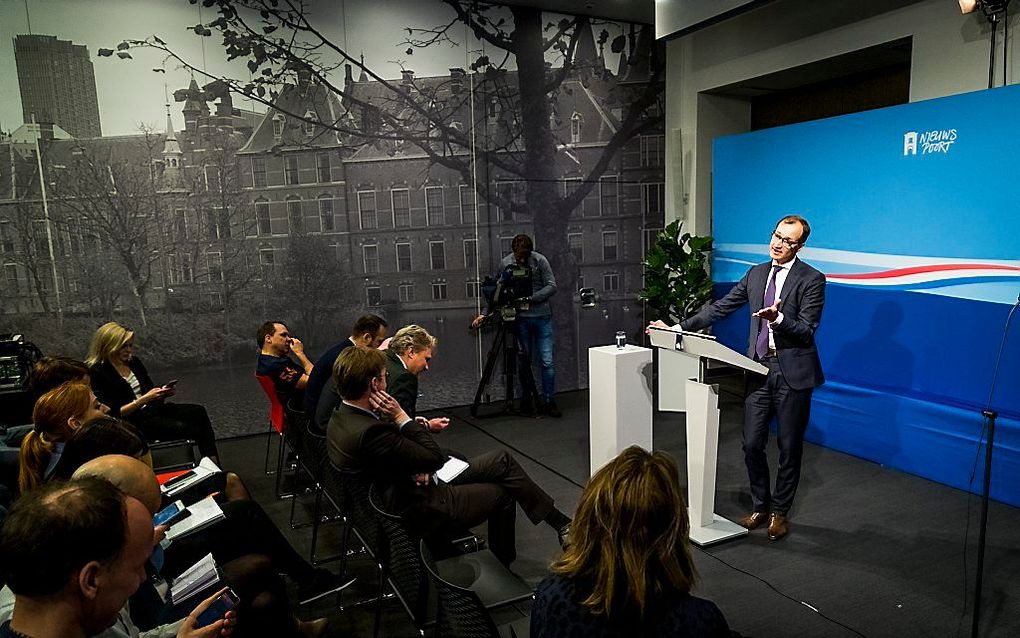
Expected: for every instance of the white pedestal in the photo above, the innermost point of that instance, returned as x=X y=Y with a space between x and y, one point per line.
x=719 y=530
x=675 y=369
x=707 y=527
x=620 y=401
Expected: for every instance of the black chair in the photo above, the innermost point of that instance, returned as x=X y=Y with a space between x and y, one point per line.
x=305 y=459
x=316 y=460
x=403 y=568
x=172 y=456
x=349 y=492
x=490 y=580
x=461 y=613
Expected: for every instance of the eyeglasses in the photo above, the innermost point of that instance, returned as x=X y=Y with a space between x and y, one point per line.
x=789 y=243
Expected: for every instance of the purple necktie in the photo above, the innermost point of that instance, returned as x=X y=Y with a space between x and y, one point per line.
x=761 y=348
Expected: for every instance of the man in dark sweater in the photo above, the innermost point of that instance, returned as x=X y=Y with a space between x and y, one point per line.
x=277 y=344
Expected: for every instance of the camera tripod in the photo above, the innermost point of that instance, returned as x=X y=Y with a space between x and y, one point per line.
x=515 y=360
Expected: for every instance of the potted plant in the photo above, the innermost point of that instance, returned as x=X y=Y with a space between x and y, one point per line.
x=677 y=284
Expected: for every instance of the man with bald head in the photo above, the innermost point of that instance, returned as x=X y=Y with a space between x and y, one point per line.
x=72 y=554
x=252 y=575
x=132 y=476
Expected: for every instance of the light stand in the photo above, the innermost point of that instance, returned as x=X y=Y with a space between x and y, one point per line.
x=994 y=11
x=989 y=416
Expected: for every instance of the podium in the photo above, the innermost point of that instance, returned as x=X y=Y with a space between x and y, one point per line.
x=702 y=402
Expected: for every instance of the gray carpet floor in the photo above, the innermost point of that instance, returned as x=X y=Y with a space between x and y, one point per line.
x=872 y=551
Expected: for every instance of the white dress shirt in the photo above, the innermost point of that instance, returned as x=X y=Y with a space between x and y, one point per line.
x=781 y=275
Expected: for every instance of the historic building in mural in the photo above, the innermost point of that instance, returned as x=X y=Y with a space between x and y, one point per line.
x=281 y=213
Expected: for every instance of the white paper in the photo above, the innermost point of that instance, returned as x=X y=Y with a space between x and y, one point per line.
x=451 y=469
x=206 y=467
x=203 y=513
x=195 y=579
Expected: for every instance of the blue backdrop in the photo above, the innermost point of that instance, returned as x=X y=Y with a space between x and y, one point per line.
x=914 y=222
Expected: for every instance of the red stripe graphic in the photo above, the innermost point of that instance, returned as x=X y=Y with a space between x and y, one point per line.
x=915 y=270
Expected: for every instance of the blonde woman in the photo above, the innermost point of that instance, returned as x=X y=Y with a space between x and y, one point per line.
x=56 y=416
x=120 y=380
x=628 y=568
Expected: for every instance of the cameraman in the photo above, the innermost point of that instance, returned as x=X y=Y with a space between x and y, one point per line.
x=534 y=316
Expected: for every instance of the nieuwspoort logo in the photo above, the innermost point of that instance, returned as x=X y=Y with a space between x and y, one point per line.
x=934 y=141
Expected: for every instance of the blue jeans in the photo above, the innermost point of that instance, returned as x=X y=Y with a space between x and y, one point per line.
x=536 y=335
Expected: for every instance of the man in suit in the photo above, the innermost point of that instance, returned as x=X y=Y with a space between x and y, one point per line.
x=786 y=297
x=371 y=434
x=320 y=393
x=408 y=355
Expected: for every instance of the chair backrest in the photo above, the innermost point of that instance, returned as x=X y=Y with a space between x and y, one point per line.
x=276 y=411
x=406 y=572
x=461 y=613
x=349 y=491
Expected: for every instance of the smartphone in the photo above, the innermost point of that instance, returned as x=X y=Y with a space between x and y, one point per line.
x=218 y=609
x=170 y=514
x=171 y=383
x=177 y=479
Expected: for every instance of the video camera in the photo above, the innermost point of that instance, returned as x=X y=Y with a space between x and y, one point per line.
x=507 y=294
x=17 y=357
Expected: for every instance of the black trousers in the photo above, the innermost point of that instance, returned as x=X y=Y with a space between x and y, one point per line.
x=487 y=491
x=246 y=529
x=178 y=421
x=769 y=398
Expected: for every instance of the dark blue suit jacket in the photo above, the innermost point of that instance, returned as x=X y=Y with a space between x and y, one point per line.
x=801 y=302
x=322 y=375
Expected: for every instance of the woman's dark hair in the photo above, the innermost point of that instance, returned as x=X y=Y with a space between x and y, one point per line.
x=629 y=539
x=49 y=372
x=99 y=437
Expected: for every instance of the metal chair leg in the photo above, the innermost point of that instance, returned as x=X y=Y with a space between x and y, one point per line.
x=317 y=520
x=379 y=603
x=279 y=468
x=269 y=442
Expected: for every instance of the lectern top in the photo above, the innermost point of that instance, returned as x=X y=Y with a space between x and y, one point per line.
x=701 y=345
x=686 y=333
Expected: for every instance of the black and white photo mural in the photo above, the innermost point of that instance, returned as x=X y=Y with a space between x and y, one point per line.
x=312 y=162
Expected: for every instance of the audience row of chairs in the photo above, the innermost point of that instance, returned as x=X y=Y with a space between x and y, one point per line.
x=442 y=586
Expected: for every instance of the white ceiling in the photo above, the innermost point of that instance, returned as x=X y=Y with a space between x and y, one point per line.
x=628 y=10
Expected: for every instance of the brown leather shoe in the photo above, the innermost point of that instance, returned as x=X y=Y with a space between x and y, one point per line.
x=778 y=527
x=753 y=520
